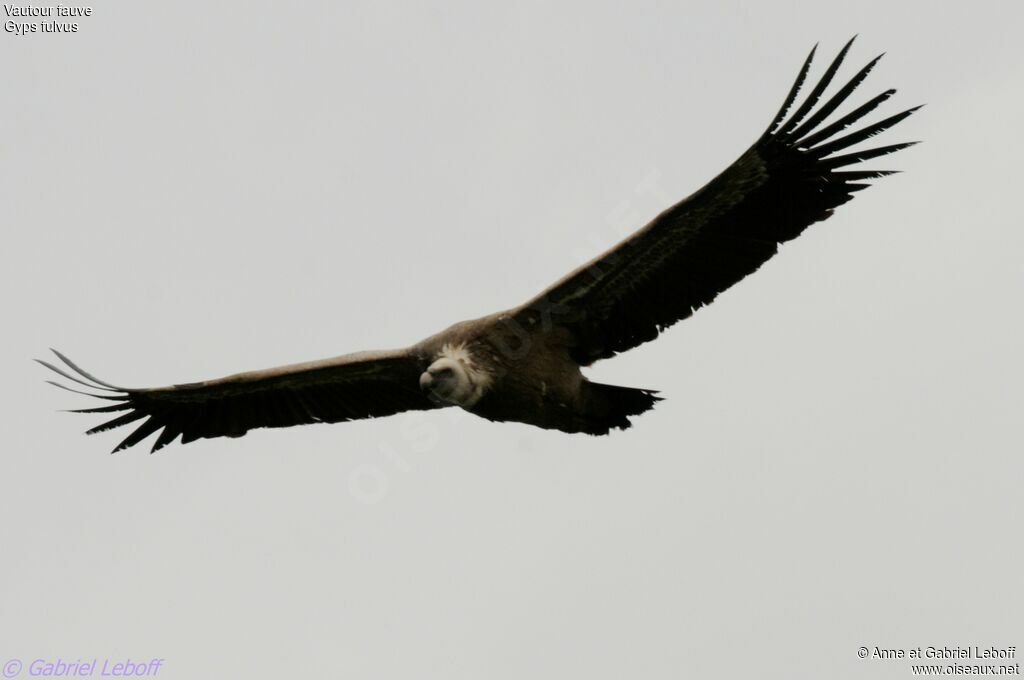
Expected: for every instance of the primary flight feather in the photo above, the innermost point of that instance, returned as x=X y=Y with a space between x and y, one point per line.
x=524 y=364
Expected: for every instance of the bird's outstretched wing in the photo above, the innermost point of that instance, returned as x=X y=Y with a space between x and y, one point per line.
x=349 y=387
x=793 y=176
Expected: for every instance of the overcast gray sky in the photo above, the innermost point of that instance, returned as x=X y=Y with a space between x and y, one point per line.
x=192 y=190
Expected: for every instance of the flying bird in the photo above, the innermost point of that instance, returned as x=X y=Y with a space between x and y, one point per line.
x=524 y=364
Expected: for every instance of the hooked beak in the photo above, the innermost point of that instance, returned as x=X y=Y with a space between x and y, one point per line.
x=426 y=380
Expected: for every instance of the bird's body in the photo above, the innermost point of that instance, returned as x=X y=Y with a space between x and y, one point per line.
x=524 y=372
x=525 y=364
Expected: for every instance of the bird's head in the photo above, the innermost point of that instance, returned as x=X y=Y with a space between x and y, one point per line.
x=453 y=379
x=447 y=380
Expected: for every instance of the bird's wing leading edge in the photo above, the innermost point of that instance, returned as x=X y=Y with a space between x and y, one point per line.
x=793 y=176
x=350 y=387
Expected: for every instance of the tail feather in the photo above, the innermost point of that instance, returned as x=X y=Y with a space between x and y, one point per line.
x=609 y=406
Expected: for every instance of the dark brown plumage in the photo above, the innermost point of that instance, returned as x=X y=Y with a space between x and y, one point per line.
x=524 y=364
x=696 y=249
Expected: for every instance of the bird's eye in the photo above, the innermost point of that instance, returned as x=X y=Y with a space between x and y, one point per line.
x=447 y=370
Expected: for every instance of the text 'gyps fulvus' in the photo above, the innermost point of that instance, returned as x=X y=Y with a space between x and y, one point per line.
x=524 y=364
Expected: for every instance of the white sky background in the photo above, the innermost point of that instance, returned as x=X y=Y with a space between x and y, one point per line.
x=194 y=190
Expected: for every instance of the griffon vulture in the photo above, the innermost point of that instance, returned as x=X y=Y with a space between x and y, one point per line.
x=524 y=364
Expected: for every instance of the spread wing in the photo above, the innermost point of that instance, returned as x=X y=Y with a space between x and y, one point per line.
x=349 y=387
x=793 y=176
